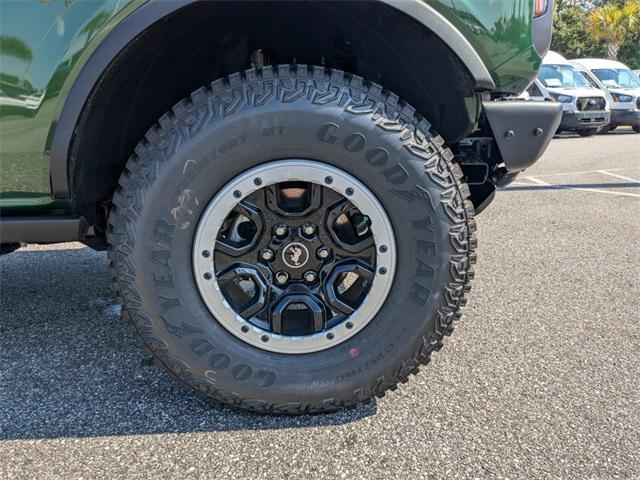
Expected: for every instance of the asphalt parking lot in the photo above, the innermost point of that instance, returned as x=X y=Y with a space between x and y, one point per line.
x=541 y=378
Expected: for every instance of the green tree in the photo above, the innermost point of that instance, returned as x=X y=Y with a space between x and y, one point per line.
x=571 y=37
x=613 y=24
x=630 y=49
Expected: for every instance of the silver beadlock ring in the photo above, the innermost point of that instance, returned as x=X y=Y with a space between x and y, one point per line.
x=285 y=171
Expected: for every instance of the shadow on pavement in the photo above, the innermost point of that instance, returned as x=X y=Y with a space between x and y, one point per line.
x=565 y=186
x=70 y=368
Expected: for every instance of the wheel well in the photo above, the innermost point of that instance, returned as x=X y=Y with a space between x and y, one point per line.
x=207 y=40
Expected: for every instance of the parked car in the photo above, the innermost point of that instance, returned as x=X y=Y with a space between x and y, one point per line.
x=287 y=190
x=621 y=85
x=584 y=108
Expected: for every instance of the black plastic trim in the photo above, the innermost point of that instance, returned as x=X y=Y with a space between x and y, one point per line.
x=574 y=120
x=486 y=201
x=625 y=117
x=542 y=30
x=155 y=10
x=450 y=35
x=522 y=129
x=125 y=32
x=43 y=229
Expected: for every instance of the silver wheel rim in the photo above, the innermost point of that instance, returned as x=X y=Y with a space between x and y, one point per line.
x=287 y=171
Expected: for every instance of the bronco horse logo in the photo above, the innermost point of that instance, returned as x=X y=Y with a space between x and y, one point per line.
x=295 y=255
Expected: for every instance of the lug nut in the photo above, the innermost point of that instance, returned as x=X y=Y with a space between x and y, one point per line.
x=282 y=277
x=280 y=230
x=308 y=229
x=267 y=254
x=310 y=276
x=323 y=252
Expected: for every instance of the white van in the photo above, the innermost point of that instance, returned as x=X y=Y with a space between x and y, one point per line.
x=622 y=87
x=584 y=108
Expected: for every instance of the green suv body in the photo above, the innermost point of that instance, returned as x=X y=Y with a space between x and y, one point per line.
x=45 y=46
x=81 y=82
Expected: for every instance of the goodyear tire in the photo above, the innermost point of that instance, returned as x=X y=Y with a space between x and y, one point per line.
x=253 y=120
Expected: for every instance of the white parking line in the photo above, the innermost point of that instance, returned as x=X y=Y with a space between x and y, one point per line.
x=586 y=171
x=622 y=177
x=569 y=187
x=537 y=180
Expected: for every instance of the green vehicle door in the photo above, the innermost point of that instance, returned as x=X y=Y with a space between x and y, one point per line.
x=40 y=44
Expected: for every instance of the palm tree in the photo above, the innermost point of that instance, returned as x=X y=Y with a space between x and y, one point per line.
x=611 y=23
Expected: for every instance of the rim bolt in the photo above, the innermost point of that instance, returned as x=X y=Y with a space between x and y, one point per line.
x=280 y=230
x=310 y=276
x=308 y=229
x=267 y=254
x=323 y=252
x=282 y=278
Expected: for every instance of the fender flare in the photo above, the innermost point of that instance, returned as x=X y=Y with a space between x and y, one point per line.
x=115 y=42
x=156 y=10
x=450 y=35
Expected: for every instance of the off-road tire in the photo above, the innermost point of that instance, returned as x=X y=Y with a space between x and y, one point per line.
x=250 y=118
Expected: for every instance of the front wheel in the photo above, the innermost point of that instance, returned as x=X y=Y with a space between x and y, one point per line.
x=587 y=132
x=292 y=240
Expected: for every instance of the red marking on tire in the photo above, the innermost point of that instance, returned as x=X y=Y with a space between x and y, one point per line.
x=353 y=352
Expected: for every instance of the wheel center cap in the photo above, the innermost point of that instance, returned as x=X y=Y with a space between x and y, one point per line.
x=295 y=255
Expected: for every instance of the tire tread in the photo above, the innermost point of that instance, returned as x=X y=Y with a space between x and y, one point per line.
x=287 y=83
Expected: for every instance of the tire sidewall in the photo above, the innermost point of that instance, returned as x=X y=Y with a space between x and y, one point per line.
x=199 y=163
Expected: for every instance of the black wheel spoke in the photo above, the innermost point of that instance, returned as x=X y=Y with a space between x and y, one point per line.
x=247 y=290
x=348 y=229
x=356 y=248
x=316 y=195
x=294 y=259
x=224 y=259
x=300 y=242
x=295 y=313
x=344 y=288
x=294 y=199
x=241 y=230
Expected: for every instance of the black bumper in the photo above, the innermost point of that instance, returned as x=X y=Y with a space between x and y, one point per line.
x=625 y=117
x=584 y=120
x=522 y=129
